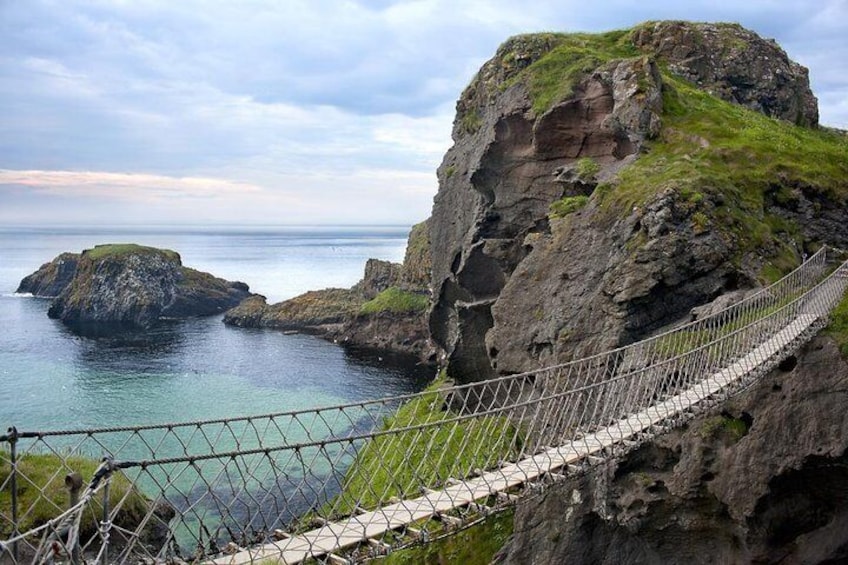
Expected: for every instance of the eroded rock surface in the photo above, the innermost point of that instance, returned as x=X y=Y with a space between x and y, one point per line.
x=132 y=285
x=764 y=479
x=735 y=64
x=51 y=278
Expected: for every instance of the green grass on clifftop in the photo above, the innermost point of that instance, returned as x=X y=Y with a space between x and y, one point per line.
x=553 y=77
x=120 y=249
x=396 y=301
x=738 y=157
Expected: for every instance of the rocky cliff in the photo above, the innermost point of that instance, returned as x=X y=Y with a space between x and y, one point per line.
x=386 y=310
x=51 y=278
x=600 y=186
x=129 y=284
x=763 y=480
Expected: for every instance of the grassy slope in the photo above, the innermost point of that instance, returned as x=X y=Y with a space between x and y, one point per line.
x=553 y=77
x=396 y=301
x=736 y=156
x=397 y=464
x=476 y=545
x=121 y=249
x=42 y=494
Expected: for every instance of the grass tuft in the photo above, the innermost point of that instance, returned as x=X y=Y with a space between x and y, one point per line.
x=396 y=301
x=567 y=205
x=42 y=494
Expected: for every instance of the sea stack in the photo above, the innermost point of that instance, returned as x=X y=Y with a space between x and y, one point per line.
x=129 y=284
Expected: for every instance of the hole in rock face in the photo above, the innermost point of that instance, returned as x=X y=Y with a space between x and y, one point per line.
x=776 y=387
x=747 y=419
x=788 y=364
x=658 y=486
x=457 y=259
x=731 y=282
x=707 y=477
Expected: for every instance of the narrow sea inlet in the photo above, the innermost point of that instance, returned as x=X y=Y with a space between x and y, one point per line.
x=197 y=369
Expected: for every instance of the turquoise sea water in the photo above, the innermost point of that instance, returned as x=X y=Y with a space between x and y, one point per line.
x=51 y=378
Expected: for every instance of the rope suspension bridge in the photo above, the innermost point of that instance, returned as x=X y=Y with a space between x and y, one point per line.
x=345 y=483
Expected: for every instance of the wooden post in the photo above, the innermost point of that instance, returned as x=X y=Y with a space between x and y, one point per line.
x=73 y=482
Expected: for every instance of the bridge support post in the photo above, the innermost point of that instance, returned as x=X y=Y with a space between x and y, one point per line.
x=73 y=482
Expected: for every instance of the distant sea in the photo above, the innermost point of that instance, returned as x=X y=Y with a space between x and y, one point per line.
x=51 y=378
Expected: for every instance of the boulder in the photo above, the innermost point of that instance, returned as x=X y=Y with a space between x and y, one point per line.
x=735 y=64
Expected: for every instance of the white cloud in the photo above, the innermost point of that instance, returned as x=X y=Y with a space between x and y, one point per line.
x=124 y=186
x=318 y=108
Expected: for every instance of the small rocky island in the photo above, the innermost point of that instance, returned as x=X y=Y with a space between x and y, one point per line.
x=129 y=284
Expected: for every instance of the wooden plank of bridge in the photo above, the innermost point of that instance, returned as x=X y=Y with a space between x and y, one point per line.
x=371 y=525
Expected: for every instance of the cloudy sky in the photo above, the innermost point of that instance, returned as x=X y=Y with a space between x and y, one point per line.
x=288 y=111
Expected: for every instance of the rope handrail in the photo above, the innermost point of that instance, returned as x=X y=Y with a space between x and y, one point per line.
x=366 y=476
x=817 y=258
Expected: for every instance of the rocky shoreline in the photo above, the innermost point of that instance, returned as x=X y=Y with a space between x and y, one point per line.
x=386 y=310
x=123 y=286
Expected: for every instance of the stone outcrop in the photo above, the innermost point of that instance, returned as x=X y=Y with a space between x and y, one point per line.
x=601 y=189
x=389 y=331
x=417 y=266
x=378 y=276
x=306 y=312
x=130 y=285
x=761 y=480
x=343 y=315
x=735 y=64
x=530 y=265
x=51 y=278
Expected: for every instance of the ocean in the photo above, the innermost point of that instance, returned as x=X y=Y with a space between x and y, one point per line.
x=195 y=369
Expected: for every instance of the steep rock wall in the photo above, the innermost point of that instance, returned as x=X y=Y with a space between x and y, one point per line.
x=517 y=286
x=763 y=479
x=497 y=184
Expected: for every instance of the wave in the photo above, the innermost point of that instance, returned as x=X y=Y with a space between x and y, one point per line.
x=19 y=295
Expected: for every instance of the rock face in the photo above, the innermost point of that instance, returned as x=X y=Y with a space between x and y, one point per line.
x=736 y=65
x=763 y=480
x=132 y=285
x=51 y=278
x=517 y=284
x=379 y=275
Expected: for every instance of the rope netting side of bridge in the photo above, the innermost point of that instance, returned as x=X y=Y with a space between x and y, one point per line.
x=356 y=480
